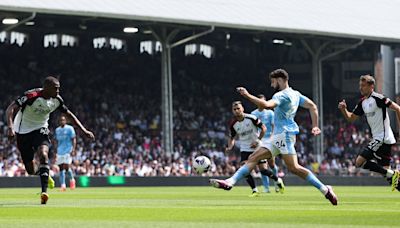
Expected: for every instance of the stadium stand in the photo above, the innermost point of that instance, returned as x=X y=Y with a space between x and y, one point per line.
x=117 y=95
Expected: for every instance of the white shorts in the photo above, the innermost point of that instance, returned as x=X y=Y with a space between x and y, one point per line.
x=64 y=159
x=282 y=143
x=265 y=140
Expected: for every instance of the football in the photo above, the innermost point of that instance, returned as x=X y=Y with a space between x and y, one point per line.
x=201 y=164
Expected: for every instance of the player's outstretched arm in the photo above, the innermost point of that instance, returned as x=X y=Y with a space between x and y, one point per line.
x=349 y=116
x=256 y=143
x=270 y=104
x=10 y=113
x=88 y=134
x=231 y=143
x=312 y=108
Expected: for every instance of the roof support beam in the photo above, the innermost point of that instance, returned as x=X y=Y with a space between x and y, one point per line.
x=166 y=37
x=316 y=50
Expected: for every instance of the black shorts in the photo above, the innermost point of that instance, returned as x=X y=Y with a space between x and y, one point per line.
x=29 y=143
x=244 y=156
x=382 y=154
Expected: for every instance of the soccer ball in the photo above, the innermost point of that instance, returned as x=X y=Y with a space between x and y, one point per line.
x=201 y=164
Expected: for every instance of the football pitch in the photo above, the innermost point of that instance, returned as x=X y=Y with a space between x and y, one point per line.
x=199 y=207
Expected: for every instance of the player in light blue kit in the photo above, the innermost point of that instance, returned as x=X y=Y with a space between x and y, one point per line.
x=267 y=118
x=285 y=104
x=65 y=144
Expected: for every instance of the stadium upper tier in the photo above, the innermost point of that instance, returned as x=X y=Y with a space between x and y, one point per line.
x=364 y=19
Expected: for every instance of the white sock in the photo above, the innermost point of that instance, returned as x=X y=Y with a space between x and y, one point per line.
x=231 y=181
x=389 y=173
x=323 y=189
x=255 y=189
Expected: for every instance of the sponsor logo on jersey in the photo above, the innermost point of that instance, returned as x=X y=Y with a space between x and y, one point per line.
x=248 y=132
x=370 y=114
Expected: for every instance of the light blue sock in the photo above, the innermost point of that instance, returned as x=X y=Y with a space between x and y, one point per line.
x=275 y=170
x=62 y=177
x=240 y=174
x=70 y=174
x=265 y=181
x=313 y=180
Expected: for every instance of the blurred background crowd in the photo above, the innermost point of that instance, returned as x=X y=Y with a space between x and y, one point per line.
x=116 y=95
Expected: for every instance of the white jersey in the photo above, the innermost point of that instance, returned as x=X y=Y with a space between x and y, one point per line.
x=375 y=109
x=35 y=111
x=247 y=131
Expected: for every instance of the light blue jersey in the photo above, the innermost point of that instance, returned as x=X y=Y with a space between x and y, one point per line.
x=267 y=118
x=283 y=140
x=64 y=136
x=287 y=100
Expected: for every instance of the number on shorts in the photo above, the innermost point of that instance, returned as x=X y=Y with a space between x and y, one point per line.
x=373 y=144
x=280 y=144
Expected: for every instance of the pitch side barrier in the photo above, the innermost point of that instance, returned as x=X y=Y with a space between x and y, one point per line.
x=85 y=181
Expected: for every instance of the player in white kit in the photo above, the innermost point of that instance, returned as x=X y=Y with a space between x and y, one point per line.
x=377 y=155
x=30 y=127
x=246 y=128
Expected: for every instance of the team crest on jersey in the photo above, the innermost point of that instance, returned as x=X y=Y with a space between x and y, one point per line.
x=22 y=100
x=44 y=131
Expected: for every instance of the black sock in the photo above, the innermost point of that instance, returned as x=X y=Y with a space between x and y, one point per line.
x=44 y=176
x=250 y=181
x=269 y=173
x=374 y=167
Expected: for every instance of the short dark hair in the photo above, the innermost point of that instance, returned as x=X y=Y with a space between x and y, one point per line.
x=279 y=73
x=236 y=103
x=50 y=80
x=261 y=96
x=368 y=79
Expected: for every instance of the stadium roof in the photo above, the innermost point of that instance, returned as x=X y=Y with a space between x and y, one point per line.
x=367 y=19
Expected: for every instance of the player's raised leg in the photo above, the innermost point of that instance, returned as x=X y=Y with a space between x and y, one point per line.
x=365 y=161
x=294 y=167
x=242 y=172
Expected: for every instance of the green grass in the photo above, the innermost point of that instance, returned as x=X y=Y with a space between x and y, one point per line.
x=199 y=207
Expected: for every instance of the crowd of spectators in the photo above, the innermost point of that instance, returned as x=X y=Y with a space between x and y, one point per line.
x=116 y=94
